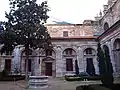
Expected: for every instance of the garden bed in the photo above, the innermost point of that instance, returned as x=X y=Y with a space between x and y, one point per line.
x=82 y=78
x=12 y=78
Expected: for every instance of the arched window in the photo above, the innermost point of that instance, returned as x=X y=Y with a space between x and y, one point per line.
x=88 y=51
x=106 y=26
x=29 y=52
x=69 y=52
x=48 y=52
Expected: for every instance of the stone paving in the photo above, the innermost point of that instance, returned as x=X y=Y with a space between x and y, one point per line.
x=53 y=84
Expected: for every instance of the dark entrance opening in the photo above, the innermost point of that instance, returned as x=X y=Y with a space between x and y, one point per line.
x=90 y=67
x=29 y=65
x=48 y=68
x=8 y=64
x=69 y=64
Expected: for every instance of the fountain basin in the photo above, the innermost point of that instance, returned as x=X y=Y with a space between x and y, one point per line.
x=38 y=82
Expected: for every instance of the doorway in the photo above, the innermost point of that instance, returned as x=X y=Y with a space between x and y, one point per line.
x=8 y=64
x=29 y=64
x=48 y=68
x=90 y=69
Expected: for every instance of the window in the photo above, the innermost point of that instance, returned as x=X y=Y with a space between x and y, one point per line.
x=68 y=52
x=65 y=33
x=106 y=26
x=9 y=53
x=69 y=65
x=89 y=51
x=48 y=52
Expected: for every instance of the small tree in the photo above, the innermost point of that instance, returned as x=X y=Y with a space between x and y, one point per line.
x=25 y=26
x=90 y=69
x=108 y=66
x=76 y=68
x=103 y=67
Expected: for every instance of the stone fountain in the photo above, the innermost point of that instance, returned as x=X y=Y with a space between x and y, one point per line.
x=37 y=82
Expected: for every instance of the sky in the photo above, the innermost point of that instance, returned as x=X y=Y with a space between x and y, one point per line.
x=71 y=11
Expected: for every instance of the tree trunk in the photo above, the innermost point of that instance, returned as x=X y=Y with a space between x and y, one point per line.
x=26 y=64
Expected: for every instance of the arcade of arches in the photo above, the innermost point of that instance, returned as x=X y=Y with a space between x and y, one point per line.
x=54 y=63
x=61 y=60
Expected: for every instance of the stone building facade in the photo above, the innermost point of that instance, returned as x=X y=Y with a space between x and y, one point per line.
x=72 y=42
x=110 y=28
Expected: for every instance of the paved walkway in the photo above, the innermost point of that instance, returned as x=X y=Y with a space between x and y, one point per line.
x=53 y=84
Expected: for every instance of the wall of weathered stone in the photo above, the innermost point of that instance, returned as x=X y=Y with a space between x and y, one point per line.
x=73 y=30
x=112 y=14
x=109 y=41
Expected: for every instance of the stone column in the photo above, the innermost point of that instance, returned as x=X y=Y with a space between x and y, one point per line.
x=59 y=62
x=36 y=66
x=15 y=64
x=95 y=63
x=81 y=62
x=111 y=52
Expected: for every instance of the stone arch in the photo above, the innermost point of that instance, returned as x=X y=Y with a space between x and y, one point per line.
x=89 y=51
x=69 y=56
x=117 y=43
x=106 y=26
x=50 y=52
x=90 y=58
x=93 y=47
x=116 y=52
x=113 y=41
x=23 y=60
x=71 y=51
x=48 y=66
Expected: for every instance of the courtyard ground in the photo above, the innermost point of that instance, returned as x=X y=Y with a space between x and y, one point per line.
x=53 y=84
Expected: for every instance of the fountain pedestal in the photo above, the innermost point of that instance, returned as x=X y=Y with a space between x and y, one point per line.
x=38 y=82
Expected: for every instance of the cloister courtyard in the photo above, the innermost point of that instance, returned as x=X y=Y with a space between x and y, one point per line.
x=53 y=84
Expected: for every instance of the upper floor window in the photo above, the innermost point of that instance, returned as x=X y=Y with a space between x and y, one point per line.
x=68 y=52
x=9 y=53
x=88 y=51
x=48 y=52
x=106 y=26
x=65 y=33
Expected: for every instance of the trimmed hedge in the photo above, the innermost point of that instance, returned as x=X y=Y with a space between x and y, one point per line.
x=77 y=78
x=4 y=76
x=13 y=78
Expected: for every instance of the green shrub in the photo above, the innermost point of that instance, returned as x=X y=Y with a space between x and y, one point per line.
x=5 y=72
x=13 y=78
x=77 y=78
